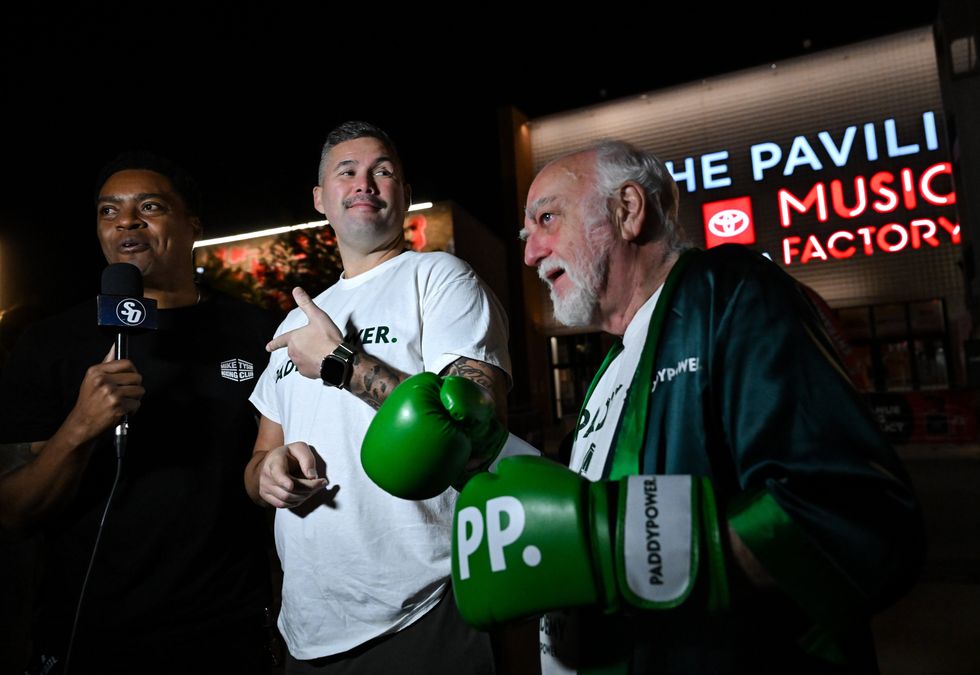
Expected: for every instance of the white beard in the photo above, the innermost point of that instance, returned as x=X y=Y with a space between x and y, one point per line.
x=588 y=275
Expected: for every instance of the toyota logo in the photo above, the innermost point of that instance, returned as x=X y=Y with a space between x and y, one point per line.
x=728 y=223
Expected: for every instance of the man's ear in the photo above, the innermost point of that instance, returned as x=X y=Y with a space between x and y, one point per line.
x=631 y=210
x=318 y=200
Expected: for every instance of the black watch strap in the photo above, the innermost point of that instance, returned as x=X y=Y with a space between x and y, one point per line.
x=336 y=367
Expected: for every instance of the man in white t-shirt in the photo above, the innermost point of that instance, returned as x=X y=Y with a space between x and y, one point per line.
x=365 y=585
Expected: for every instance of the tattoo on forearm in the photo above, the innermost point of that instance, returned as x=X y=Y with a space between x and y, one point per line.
x=472 y=370
x=375 y=383
x=15 y=455
x=489 y=377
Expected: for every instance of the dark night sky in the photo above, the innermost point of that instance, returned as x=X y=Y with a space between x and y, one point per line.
x=243 y=98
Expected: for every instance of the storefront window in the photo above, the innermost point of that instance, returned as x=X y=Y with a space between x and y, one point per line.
x=896 y=366
x=930 y=364
x=574 y=359
x=899 y=346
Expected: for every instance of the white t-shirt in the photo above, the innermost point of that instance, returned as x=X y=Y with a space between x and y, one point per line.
x=592 y=443
x=558 y=632
x=359 y=563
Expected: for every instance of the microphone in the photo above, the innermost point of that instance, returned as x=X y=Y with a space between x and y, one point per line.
x=122 y=307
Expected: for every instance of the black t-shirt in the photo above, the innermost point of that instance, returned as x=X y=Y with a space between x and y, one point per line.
x=184 y=551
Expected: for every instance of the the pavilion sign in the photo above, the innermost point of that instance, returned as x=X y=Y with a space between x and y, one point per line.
x=846 y=214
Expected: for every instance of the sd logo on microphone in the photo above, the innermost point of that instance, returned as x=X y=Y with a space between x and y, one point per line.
x=131 y=312
x=126 y=312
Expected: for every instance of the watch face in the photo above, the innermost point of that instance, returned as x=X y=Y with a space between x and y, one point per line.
x=332 y=371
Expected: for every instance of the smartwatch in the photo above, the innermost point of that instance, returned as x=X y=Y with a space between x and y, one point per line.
x=336 y=367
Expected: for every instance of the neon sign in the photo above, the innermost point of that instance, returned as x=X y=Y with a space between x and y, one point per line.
x=803 y=152
x=881 y=185
x=729 y=222
x=864 y=198
x=883 y=192
x=890 y=238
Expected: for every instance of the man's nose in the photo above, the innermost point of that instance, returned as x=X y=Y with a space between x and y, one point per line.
x=535 y=249
x=130 y=219
x=366 y=183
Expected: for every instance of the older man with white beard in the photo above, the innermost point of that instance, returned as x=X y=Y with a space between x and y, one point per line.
x=586 y=270
x=732 y=506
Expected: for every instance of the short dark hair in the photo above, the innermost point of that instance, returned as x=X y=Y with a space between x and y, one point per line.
x=182 y=182
x=348 y=131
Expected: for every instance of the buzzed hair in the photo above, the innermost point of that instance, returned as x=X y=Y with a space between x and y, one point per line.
x=348 y=131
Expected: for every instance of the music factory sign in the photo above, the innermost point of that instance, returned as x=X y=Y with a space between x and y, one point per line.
x=867 y=189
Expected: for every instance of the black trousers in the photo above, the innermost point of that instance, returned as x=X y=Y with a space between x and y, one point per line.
x=438 y=643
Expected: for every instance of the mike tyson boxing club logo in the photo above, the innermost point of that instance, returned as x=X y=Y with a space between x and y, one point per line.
x=237 y=370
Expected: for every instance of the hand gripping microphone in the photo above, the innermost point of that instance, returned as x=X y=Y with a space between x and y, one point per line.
x=123 y=308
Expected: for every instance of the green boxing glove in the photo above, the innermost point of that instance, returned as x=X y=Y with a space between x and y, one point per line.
x=536 y=537
x=426 y=433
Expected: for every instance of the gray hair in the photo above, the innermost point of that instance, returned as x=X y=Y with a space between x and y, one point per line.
x=348 y=131
x=618 y=162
